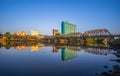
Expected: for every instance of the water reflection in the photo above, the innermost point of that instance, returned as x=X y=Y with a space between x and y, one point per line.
x=68 y=51
x=75 y=59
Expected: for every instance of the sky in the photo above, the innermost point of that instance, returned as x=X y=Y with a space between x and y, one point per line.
x=45 y=15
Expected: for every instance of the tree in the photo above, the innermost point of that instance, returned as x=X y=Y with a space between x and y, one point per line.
x=14 y=36
x=7 y=46
x=7 y=35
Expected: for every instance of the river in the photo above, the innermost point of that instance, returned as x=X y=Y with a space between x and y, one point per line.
x=55 y=60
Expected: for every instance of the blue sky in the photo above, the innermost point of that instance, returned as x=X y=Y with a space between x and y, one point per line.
x=44 y=15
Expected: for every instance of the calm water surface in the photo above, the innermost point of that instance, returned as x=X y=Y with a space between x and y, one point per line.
x=49 y=61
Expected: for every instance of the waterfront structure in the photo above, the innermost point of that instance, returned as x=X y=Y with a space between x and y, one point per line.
x=40 y=36
x=35 y=33
x=55 y=31
x=67 y=28
x=97 y=32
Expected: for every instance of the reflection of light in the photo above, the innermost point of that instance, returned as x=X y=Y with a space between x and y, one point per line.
x=35 y=48
x=21 y=47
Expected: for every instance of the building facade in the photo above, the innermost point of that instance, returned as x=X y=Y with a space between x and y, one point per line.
x=67 y=28
x=21 y=33
x=55 y=31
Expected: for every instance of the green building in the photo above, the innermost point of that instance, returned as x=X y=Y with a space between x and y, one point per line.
x=67 y=28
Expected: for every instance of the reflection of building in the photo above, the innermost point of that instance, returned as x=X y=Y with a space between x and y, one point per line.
x=21 y=47
x=68 y=54
x=67 y=28
x=55 y=31
x=35 y=48
x=35 y=33
x=21 y=33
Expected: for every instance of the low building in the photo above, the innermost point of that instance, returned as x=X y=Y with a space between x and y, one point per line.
x=21 y=33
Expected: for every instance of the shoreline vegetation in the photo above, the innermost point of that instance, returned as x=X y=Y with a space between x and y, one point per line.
x=59 y=40
x=115 y=44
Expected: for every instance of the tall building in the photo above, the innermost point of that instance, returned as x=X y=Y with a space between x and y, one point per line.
x=67 y=28
x=35 y=33
x=55 y=31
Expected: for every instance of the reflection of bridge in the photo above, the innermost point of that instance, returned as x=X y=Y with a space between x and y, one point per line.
x=68 y=52
x=97 y=51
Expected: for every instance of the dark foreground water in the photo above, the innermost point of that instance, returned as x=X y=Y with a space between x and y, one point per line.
x=51 y=61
